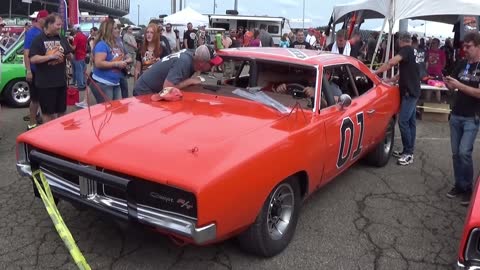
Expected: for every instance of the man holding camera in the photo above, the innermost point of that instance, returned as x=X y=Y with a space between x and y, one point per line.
x=465 y=116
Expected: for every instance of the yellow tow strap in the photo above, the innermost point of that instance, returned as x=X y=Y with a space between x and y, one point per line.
x=47 y=198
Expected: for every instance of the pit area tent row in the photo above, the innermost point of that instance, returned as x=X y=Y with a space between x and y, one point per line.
x=444 y=11
x=185 y=16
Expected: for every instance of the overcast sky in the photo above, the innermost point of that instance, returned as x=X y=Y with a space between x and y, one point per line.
x=318 y=11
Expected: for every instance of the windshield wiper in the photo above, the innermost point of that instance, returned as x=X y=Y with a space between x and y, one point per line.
x=260 y=96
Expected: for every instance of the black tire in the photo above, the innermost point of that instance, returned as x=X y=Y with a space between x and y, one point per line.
x=381 y=153
x=257 y=239
x=17 y=93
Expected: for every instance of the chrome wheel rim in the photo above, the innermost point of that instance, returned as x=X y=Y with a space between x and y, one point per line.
x=280 y=211
x=387 y=143
x=21 y=92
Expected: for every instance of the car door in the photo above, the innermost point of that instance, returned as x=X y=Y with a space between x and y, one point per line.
x=346 y=126
x=378 y=112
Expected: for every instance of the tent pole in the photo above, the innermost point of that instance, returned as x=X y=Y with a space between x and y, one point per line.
x=389 y=44
x=379 y=41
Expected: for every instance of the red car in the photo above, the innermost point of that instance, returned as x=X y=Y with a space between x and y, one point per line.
x=232 y=158
x=469 y=251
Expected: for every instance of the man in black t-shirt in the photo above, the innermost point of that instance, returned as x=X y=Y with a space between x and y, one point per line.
x=48 y=53
x=189 y=37
x=409 y=83
x=465 y=116
x=300 y=43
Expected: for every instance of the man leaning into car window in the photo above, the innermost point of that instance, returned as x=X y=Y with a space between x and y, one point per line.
x=176 y=70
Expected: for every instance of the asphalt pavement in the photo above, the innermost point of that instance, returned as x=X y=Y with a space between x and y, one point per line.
x=368 y=218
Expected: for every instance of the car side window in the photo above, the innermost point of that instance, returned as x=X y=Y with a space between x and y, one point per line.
x=362 y=81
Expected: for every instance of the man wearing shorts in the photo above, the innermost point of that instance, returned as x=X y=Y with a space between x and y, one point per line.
x=48 y=52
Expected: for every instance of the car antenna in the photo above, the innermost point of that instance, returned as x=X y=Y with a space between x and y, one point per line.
x=296 y=107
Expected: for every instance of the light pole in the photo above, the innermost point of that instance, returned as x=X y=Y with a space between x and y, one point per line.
x=303 y=20
x=10 y=10
x=214 y=5
x=138 y=14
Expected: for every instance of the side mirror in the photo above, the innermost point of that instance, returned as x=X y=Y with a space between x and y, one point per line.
x=344 y=101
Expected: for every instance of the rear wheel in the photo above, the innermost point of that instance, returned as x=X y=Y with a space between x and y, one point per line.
x=275 y=225
x=17 y=93
x=381 y=154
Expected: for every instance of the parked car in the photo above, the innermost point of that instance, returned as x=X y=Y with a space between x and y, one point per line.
x=234 y=159
x=469 y=251
x=14 y=87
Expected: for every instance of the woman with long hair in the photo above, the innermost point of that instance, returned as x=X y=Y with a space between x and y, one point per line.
x=109 y=61
x=150 y=52
x=256 y=42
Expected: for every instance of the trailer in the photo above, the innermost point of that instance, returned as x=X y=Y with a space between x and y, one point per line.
x=276 y=26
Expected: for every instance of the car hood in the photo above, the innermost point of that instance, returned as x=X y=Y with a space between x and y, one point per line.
x=178 y=142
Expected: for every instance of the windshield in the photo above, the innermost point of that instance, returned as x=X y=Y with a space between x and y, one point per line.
x=11 y=45
x=277 y=85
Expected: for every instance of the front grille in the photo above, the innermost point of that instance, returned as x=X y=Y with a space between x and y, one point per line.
x=111 y=192
x=137 y=191
x=72 y=178
x=163 y=197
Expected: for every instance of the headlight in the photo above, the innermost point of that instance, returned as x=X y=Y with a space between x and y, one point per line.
x=472 y=250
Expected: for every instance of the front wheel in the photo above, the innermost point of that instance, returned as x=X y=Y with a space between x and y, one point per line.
x=381 y=154
x=17 y=93
x=275 y=225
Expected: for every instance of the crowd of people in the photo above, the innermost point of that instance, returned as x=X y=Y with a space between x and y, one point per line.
x=463 y=79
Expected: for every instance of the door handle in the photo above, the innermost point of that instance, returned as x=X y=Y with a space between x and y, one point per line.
x=371 y=111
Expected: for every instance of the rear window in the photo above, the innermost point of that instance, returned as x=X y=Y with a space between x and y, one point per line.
x=225 y=26
x=273 y=29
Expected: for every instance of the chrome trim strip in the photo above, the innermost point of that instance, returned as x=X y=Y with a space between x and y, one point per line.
x=178 y=225
x=24 y=169
x=461 y=266
x=60 y=183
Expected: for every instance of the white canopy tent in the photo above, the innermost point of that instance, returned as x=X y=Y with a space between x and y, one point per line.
x=185 y=16
x=445 y=11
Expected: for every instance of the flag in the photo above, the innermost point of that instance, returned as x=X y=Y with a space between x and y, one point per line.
x=73 y=12
x=62 y=11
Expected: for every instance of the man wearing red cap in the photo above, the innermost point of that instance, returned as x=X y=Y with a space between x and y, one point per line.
x=36 y=29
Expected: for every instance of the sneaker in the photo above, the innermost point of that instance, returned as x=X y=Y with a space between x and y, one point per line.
x=397 y=154
x=82 y=104
x=405 y=160
x=29 y=127
x=465 y=199
x=454 y=192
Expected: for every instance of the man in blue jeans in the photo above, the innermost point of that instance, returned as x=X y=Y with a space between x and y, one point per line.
x=409 y=84
x=464 y=119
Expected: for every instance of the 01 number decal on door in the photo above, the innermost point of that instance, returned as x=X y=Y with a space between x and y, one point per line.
x=348 y=125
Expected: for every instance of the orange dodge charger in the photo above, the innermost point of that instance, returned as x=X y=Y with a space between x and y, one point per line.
x=236 y=157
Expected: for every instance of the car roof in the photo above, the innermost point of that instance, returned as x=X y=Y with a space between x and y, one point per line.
x=297 y=56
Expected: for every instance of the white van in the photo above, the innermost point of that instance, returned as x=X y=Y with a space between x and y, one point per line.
x=276 y=26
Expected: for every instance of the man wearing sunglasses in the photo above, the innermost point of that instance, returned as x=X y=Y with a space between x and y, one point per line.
x=465 y=116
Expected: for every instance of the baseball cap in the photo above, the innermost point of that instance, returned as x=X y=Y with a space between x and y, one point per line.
x=207 y=54
x=42 y=14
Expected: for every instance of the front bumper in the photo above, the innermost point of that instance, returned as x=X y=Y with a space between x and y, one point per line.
x=461 y=266
x=85 y=193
